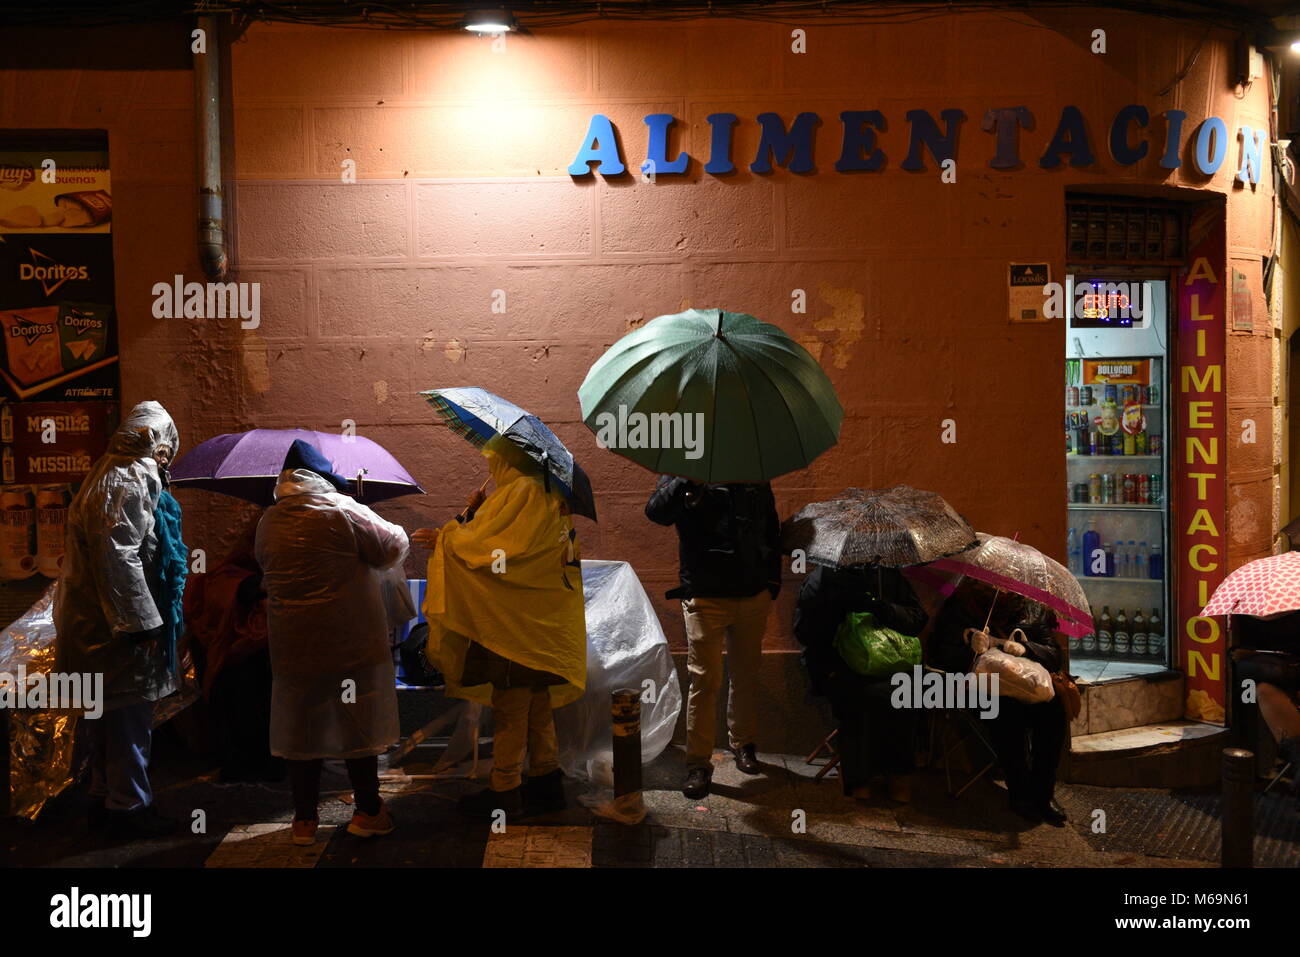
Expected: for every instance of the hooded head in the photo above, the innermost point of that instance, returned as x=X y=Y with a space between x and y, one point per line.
x=146 y=431
x=305 y=456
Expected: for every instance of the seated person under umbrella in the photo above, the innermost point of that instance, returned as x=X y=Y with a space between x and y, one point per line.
x=875 y=739
x=1268 y=653
x=1028 y=738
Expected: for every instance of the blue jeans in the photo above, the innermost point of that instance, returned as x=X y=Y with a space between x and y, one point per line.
x=119 y=756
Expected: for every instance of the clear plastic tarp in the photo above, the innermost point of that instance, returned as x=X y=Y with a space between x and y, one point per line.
x=626 y=648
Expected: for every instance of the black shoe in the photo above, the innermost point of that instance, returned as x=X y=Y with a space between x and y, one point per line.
x=96 y=814
x=1053 y=813
x=545 y=793
x=142 y=824
x=486 y=803
x=1027 y=810
x=697 y=783
x=746 y=761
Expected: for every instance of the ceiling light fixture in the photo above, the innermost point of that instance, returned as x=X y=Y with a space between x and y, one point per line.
x=490 y=21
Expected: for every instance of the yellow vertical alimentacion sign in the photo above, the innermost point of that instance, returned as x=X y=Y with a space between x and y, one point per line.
x=1200 y=469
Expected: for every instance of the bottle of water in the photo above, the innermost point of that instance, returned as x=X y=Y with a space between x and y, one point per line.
x=1121 y=559
x=1143 y=562
x=1156 y=564
x=1075 y=551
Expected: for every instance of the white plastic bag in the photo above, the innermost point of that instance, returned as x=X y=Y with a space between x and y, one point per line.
x=1020 y=678
x=626 y=648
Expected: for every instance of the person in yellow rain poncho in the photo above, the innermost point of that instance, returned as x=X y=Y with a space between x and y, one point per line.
x=506 y=624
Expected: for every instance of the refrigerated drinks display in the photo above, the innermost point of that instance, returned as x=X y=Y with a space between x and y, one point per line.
x=1116 y=430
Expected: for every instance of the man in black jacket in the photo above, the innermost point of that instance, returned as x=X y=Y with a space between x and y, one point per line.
x=729 y=549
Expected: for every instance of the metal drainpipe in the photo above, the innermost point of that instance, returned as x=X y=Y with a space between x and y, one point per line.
x=207 y=103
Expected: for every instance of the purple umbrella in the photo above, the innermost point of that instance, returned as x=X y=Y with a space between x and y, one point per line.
x=247 y=464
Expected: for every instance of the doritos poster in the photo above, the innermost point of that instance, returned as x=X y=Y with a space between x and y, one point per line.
x=57 y=303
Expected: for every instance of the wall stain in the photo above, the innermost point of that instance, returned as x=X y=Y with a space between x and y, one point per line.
x=381 y=390
x=257 y=364
x=454 y=351
x=846 y=321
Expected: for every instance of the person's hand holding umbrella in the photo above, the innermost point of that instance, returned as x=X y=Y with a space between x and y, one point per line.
x=428 y=537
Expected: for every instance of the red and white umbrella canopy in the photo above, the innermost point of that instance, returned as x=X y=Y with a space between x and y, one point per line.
x=1266 y=586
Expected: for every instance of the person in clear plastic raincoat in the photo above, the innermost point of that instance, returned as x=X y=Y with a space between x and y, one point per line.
x=506 y=624
x=107 y=613
x=324 y=558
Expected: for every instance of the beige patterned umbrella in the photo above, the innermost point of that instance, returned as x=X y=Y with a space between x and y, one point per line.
x=890 y=527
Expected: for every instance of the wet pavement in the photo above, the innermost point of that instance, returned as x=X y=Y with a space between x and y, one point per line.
x=780 y=818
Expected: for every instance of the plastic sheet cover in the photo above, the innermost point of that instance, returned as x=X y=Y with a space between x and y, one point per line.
x=41 y=753
x=625 y=648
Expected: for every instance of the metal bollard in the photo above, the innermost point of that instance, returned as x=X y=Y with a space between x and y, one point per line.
x=625 y=708
x=1238 y=822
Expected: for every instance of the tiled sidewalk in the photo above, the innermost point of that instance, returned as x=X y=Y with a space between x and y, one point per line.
x=781 y=818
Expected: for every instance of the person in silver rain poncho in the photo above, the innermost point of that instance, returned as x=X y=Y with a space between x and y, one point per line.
x=325 y=558
x=106 y=618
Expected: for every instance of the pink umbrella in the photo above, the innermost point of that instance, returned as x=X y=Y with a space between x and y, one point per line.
x=1014 y=567
x=1267 y=586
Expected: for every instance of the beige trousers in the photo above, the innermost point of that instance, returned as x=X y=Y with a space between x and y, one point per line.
x=738 y=623
x=524 y=725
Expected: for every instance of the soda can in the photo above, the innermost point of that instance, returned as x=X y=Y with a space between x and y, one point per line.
x=1094 y=442
x=1108 y=488
x=1156 y=490
x=1154 y=444
x=1085 y=395
x=1144 y=489
x=51 y=519
x=1111 y=394
x=1074 y=396
x=1094 y=488
x=17 y=532
x=1130 y=488
x=1081 y=492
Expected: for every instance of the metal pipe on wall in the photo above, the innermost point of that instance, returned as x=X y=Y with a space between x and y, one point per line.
x=207 y=112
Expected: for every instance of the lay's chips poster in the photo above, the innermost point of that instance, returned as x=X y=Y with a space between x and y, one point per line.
x=57 y=312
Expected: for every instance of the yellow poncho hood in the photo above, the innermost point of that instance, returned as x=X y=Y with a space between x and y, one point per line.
x=509 y=579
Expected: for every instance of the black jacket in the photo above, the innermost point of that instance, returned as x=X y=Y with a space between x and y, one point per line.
x=826 y=597
x=969 y=605
x=728 y=537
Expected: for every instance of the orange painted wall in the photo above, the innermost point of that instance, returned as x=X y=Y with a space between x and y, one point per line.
x=375 y=290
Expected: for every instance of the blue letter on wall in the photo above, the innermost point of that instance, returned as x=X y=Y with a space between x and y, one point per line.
x=925 y=132
x=1212 y=131
x=656 y=154
x=1006 y=120
x=1071 y=137
x=1173 y=138
x=859 y=137
x=776 y=142
x=720 y=146
x=1252 y=153
x=1124 y=154
x=605 y=155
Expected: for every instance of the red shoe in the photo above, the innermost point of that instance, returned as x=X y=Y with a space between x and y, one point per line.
x=372 y=825
x=304 y=833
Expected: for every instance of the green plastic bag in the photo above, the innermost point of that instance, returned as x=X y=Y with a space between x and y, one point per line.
x=872 y=650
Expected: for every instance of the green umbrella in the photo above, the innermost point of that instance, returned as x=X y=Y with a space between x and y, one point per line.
x=712 y=396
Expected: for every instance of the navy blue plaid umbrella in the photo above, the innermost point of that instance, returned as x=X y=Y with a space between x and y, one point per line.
x=479 y=416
